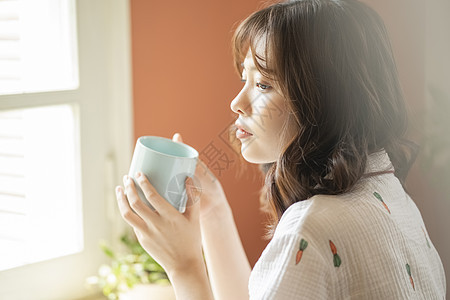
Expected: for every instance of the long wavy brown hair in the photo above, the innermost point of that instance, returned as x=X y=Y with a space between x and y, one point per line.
x=333 y=62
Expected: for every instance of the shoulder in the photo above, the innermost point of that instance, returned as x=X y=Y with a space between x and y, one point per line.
x=293 y=265
x=317 y=210
x=344 y=217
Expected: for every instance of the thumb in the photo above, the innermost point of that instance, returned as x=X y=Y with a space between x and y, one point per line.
x=177 y=138
x=193 y=203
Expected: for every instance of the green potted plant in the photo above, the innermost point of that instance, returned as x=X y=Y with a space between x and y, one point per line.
x=131 y=275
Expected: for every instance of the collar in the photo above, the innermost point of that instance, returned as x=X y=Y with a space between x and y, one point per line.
x=378 y=163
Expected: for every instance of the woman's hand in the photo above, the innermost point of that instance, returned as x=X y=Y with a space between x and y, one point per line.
x=229 y=277
x=173 y=239
x=212 y=197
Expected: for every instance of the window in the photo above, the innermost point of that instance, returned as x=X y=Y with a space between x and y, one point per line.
x=39 y=156
x=37 y=46
x=39 y=185
x=65 y=139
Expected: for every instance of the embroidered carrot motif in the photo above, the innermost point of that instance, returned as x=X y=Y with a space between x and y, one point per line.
x=336 y=258
x=426 y=238
x=408 y=269
x=378 y=196
x=302 y=247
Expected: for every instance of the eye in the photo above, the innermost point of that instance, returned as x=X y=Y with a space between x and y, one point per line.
x=263 y=87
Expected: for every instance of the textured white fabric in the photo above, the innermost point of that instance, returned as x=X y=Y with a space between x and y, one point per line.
x=374 y=243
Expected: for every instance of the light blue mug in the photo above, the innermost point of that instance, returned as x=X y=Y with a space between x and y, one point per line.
x=166 y=164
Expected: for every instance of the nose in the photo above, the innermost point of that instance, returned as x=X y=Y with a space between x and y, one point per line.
x=241 y=104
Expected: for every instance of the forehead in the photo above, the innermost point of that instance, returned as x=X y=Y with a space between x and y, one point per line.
x=260 y=49
x=248 y=61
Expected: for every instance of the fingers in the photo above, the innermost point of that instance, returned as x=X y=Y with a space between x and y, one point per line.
x=177 y=137
x=135 y=202
x=193 y=192
x=127 y=213
x=162 y=206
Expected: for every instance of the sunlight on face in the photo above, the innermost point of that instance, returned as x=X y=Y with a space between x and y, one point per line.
x=262 y=111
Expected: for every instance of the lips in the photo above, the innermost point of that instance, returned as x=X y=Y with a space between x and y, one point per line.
x=244 y=129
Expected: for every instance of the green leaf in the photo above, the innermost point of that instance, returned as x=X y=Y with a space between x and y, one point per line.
x=303 y=244
x=125 y=266
x=108 y=251
x=336 y=260
x=378 y=196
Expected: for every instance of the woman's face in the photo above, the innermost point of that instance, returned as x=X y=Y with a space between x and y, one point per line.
x=262 y=112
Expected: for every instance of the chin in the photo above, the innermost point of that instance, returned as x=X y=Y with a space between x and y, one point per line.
x=254 y=158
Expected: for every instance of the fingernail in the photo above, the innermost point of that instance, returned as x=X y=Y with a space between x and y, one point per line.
x=118 y=189
x=138 y=174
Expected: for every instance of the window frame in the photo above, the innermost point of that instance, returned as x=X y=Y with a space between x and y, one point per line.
x=105 y=129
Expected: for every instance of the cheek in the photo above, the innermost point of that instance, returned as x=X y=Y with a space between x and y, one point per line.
x=277 y=116
x=269 y=137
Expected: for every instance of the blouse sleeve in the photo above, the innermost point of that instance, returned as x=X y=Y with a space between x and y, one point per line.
x=290 y=267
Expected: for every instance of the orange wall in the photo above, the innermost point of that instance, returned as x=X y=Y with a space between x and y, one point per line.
x=183 y=80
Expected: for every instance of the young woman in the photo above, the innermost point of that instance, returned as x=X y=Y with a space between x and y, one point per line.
x=330 y=143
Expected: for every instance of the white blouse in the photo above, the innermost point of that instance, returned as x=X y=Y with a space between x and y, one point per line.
x=367 y=244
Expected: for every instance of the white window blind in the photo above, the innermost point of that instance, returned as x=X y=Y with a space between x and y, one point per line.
x=37 y=42
x=40 y=194
x=40 y=211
